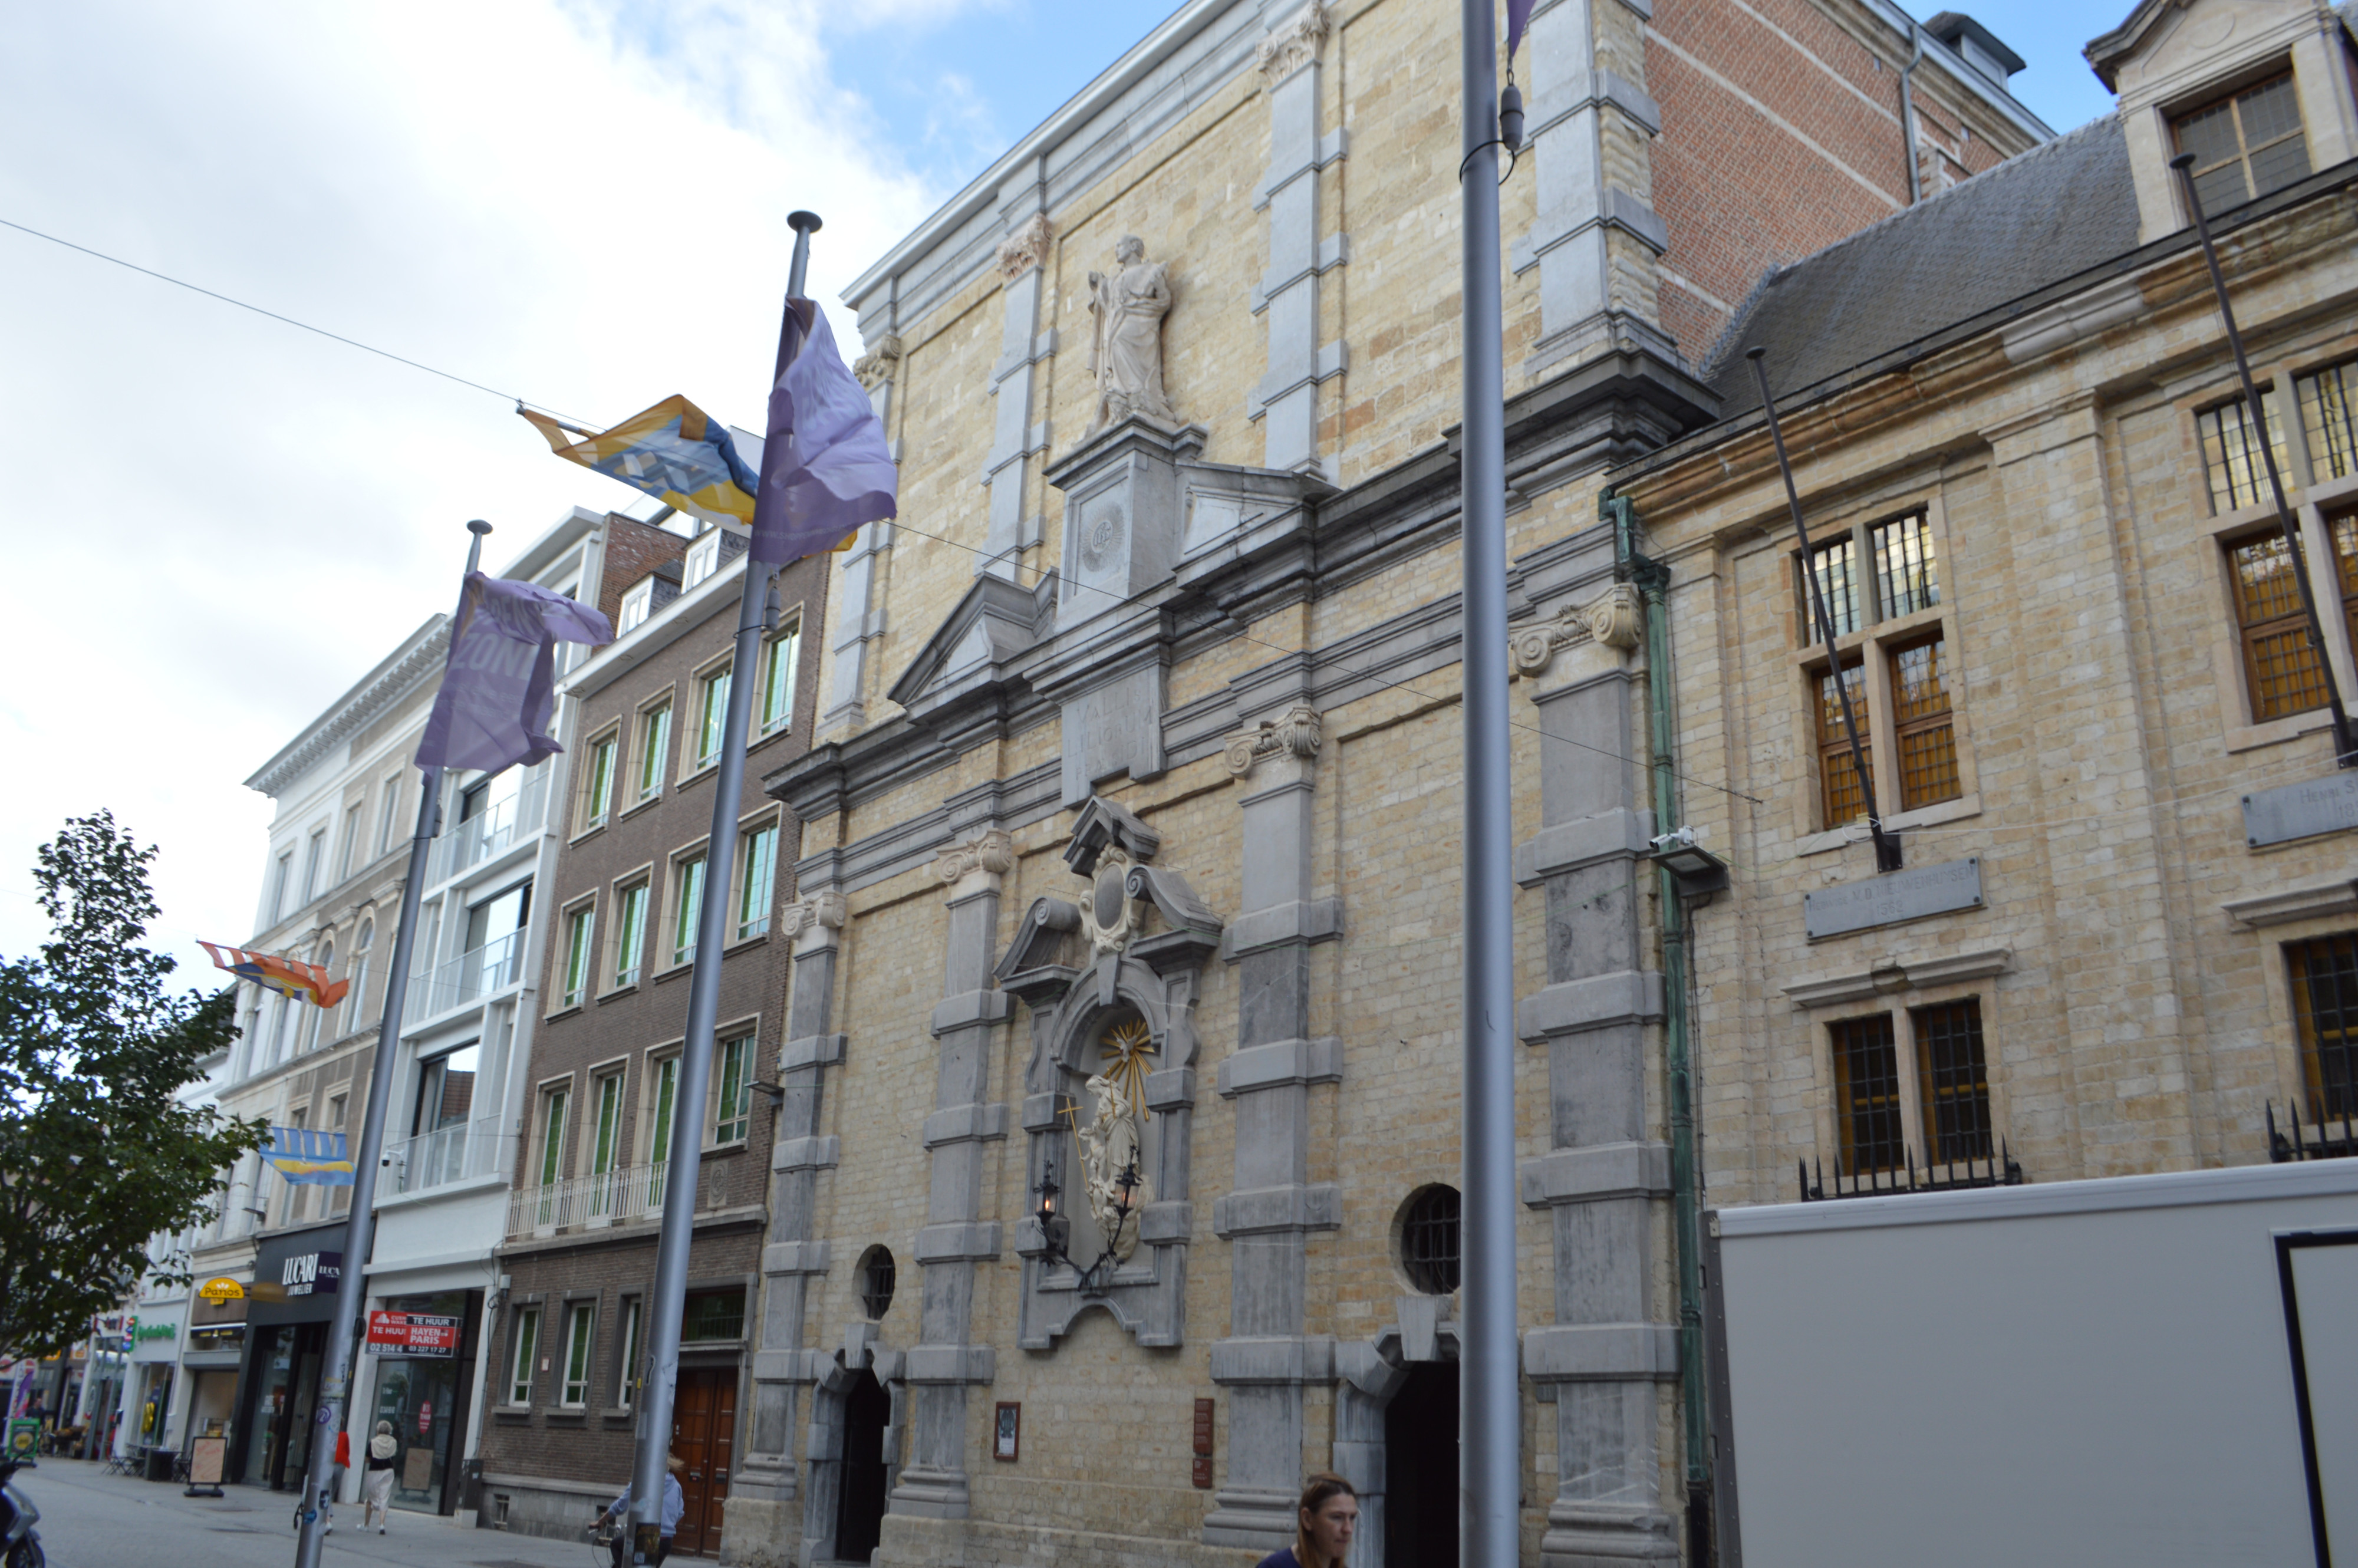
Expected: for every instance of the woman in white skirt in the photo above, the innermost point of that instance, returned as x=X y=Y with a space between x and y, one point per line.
x=377 y=1495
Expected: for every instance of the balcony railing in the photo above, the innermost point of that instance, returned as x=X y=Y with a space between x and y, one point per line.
x=478 y=837
x=634 y=1195
x=476 y=1148
x=1955 y=1176
x=2324 y=1139
x=473 y=974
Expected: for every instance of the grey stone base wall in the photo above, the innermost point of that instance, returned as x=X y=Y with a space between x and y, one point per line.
x=757 y=1532
x=909 y=1542
x=538 y=1506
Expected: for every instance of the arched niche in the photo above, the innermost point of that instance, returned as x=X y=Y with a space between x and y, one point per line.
x=1131 y=949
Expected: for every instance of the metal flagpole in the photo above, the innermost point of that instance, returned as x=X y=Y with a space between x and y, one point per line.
x=335 y=1366
x=667 y=1301
x=1489 y=1410
x=2344 y=755
x=1886 y=844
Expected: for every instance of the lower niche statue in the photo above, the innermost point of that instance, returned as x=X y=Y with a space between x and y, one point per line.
x=1110 y=1147
x=1126 y=356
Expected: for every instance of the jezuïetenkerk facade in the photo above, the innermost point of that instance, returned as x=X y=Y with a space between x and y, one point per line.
x=1130 y=828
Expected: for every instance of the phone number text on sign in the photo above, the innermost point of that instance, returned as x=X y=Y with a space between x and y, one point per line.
x=413 y=1333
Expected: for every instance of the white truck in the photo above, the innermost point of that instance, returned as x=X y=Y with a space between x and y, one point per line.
x=2153 y=1371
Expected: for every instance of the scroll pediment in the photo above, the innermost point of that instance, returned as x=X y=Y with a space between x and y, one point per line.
x=989 y=628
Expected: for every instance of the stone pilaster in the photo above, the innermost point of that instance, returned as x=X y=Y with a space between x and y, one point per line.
x=1287 y=400
x=763 y=1487
x=856 y=611
x=1595 y=237
x=1267 y=1357
x=1604 y=1174
x=1014 y=528
x=956 y=1237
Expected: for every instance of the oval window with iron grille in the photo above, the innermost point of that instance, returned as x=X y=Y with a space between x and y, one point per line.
x=876 y=1278
x=1428 y=1240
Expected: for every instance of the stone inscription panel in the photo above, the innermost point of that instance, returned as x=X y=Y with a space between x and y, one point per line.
x=1888 y=900
x=2301 y=810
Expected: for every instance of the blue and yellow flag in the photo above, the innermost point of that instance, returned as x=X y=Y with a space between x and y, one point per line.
x=673 y=451
x=301 y=1155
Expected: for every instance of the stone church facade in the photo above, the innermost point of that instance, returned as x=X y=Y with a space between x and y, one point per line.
x=1130 y=834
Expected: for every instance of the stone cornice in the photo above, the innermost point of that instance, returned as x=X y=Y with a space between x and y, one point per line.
x=377 y=694
x=1323 y=542
x=1943 y=372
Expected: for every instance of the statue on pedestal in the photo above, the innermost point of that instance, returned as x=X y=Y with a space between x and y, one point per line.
x=1126 y=355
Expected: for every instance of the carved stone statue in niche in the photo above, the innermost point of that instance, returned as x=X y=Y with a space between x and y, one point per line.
x=1126 y=356
x=1111 y=1144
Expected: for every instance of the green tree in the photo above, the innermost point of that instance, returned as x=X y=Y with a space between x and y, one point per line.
x=96 y=1153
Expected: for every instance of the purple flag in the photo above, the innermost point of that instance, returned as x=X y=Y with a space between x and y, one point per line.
x=498 y=685
x=1519 y=17
x=824 y=467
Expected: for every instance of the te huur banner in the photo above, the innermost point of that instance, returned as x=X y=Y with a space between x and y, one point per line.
x=413 y=1333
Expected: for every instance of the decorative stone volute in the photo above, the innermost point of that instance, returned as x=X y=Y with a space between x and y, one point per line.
x=822 y=909
x=1026 y=248
x=1293 y=43
x=879 y=364
x=990 y=850
x=1614 y=618
x=1297 y=734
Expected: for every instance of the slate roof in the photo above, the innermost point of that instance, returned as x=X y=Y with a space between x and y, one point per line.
x=2039 y=218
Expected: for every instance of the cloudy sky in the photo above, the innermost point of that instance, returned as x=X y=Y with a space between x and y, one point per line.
x=225 y=521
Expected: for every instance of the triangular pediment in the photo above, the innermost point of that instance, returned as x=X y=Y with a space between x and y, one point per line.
x=993 y=624
x=2162 y=45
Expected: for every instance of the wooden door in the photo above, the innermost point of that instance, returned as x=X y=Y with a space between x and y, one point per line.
x=704 y=1432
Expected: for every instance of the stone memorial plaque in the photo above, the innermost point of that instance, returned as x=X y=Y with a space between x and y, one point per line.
x=1890 y=899
x=2301 y=810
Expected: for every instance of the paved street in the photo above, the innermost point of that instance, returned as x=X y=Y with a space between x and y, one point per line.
x=89 y=1519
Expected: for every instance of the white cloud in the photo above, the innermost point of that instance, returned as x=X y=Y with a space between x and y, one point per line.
x=223 y=522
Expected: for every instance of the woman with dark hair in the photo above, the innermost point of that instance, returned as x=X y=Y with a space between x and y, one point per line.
x=1322 y=1526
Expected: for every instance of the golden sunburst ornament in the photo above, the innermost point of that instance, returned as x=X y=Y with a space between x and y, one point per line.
x=1126 y=1045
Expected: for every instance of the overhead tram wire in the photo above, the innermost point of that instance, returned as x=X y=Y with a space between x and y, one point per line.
x=275 y=315
x=571 y=420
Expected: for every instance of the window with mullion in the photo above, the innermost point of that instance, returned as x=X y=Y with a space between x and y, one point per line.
x=2327 y=419
x=1906 y=571
x=580 y=1330
x=2343 y=525
x=662 y=1090
x=1925 y=725
x=2231 y=454
x=777 y=696
x=627 y=1354
x=2324 y=975
x=1842 y=797
x=711 y=717
x=1867 y=1122
x=655 y=749
x=1834 y=563
x=757 y=883
x=527 y=1344
x=630 y=933
x=553 y=1107
x=2281 y=663
x=687 y=909
x=598 y=790
x=2246 y=145
x=732 y=1091
x=581 y=954
x=1952 y=1082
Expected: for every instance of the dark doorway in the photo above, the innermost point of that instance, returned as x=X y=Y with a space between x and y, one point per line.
x=704 y=1432
x=1421 y=1469
x=860 y=1517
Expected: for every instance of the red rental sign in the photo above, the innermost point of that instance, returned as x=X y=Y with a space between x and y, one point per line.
x=413 y=1333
